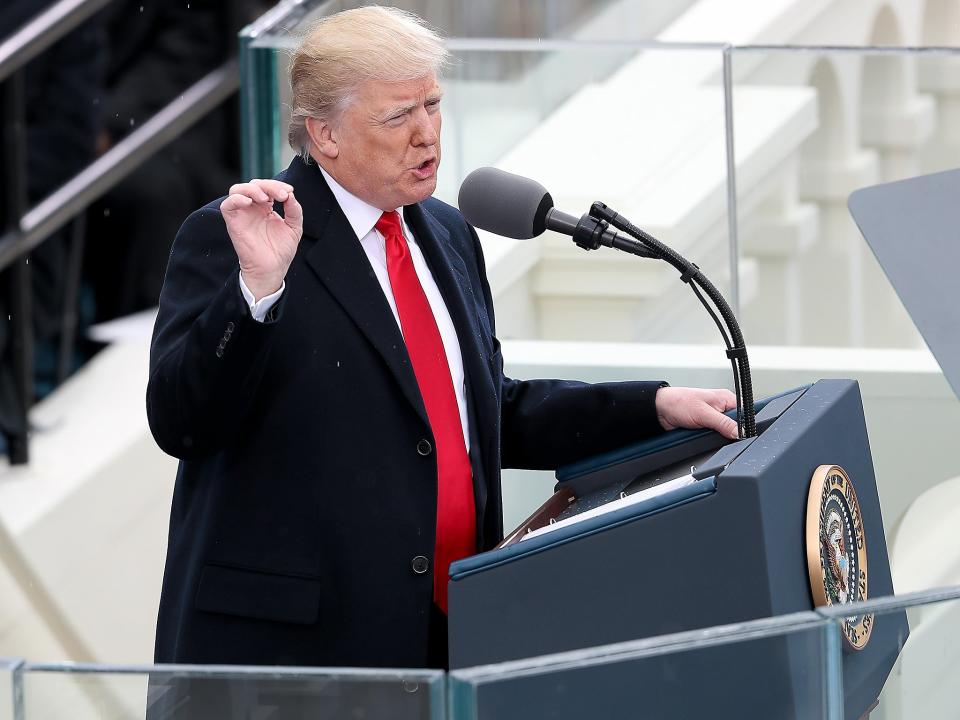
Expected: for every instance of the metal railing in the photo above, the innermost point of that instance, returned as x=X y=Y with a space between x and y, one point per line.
x=24 y=228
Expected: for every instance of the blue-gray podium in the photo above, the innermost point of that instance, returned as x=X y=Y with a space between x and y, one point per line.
x=727 y=544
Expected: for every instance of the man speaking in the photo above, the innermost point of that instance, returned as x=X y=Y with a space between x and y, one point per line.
x=324 y=365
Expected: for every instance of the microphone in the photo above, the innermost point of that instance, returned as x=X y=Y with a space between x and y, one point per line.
x=517 y=207
x=520 y=208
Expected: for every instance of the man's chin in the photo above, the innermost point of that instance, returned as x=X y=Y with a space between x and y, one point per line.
x=421 y=190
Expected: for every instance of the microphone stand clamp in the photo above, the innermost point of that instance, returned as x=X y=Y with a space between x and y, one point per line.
x=589 y=232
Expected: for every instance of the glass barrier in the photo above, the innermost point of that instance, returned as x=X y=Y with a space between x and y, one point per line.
x=920 y=631
x=792 y=666
x=173 y=692
x=590 y=122
x=598 y=21
x=811 y=126
x=784 y=667
x=593 y=20
x=8 y=687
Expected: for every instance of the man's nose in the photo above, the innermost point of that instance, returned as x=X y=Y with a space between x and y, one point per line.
x=425 y=132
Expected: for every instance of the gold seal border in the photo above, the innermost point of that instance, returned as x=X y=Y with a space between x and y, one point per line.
x=855 y=640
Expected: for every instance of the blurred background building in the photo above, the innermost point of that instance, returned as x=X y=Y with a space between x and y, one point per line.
x=733 y=130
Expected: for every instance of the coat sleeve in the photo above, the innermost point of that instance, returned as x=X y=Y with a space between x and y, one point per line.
x=208 y=354
x=548 y=423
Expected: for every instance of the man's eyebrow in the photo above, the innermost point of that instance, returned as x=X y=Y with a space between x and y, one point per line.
x=401 y=109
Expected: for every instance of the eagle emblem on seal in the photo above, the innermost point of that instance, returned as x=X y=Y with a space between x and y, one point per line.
x=837 y=549
x=834 y=549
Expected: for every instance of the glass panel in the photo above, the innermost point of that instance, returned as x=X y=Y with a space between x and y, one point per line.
x=532 y=19
x=209 y=693
x=773 y=668
x=811 y=126
x=594 y=21
x=591 y=122
x=916 y=636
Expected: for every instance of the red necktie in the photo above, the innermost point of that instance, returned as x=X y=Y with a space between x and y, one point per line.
x=456 y=516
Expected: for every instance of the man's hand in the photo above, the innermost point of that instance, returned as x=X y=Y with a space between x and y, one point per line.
x=265 y=242
x=680 y=407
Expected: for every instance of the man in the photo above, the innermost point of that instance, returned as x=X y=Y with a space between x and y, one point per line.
x=326 y=369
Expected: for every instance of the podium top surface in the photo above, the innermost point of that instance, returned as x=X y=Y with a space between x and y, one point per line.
x=913 y=228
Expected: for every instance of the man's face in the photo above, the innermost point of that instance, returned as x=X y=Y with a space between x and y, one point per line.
x=387 y=142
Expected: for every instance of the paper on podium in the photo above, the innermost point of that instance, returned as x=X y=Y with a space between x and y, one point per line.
x=624 y=501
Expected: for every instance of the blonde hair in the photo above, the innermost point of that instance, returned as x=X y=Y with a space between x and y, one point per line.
x=341 y=51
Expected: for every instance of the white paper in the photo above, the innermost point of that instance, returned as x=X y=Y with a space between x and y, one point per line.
x=617 y=504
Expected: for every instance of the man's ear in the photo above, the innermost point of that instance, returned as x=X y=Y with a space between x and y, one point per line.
x=322 y=137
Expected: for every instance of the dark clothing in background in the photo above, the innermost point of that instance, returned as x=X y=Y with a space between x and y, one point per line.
x=60 y=88
x=89 y=89
x=157 y=49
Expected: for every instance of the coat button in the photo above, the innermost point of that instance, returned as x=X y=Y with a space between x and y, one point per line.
x=424 y=447
x=420 y=564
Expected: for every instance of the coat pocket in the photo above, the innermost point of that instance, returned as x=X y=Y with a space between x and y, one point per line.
x=261 y=595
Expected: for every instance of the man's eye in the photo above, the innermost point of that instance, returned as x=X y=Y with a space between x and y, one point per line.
x=396 y=119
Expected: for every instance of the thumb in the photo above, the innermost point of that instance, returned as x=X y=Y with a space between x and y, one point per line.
x=292 y=211
x=726 y=426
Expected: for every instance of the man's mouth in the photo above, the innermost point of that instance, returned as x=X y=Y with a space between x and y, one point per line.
x=426 y=168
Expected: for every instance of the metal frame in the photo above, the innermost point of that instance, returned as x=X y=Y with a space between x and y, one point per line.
x=25 y=228
x=42 y=31
x=18 y=351
x=75 y=195
x=258 y=120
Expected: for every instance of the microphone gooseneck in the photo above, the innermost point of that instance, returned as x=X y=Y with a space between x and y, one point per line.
x=691 y=274
x=518 y=207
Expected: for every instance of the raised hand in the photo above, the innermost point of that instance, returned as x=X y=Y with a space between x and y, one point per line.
x=696 y=408
x=265 y=243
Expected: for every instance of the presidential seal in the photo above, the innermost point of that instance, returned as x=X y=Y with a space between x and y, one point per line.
x=837 y=549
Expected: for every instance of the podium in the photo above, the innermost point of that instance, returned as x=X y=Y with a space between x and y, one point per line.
x=690 y=531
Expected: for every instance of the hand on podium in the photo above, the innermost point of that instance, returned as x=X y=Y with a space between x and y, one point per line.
x=682 y=407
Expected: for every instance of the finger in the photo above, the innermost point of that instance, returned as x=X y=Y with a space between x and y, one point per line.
x=235 y=202
x=724 y=425
x=251 y=190
x=292 y=211
x=725 y=400
x=270 y=183
x=274 y=188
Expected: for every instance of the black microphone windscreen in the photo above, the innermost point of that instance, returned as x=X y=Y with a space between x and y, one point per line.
x=504 y=203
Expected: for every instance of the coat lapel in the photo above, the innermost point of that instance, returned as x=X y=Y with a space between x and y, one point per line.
x=341 y=265
x=452 y=278
x=450 y=274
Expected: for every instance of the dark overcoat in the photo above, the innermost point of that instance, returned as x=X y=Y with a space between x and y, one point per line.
x=307 y=485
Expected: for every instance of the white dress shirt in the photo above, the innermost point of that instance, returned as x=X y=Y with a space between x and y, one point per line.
x=363 y=219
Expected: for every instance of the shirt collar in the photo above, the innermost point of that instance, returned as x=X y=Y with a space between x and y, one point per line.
x=361 y=215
